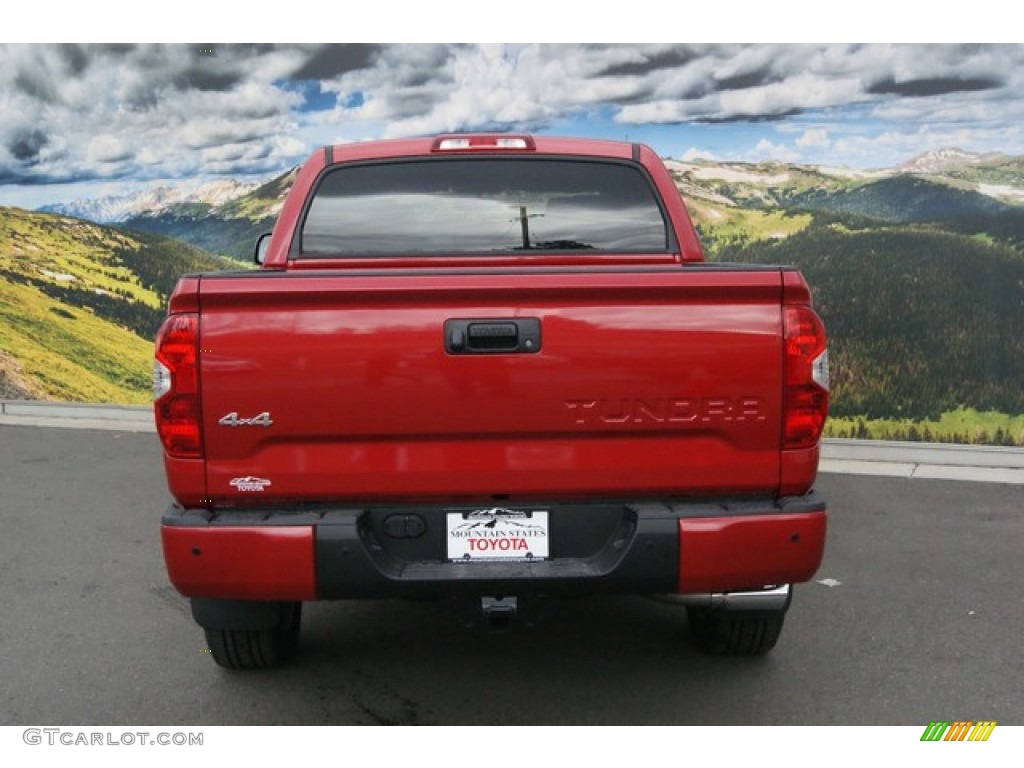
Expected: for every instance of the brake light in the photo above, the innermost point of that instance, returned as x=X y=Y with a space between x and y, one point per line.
x=807 y=378
x=482 y=141
x=176 y=386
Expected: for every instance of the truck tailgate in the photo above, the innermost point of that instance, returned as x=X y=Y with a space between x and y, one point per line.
x=344 y=386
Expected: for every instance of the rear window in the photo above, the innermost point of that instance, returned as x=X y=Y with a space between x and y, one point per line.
x=483 y=205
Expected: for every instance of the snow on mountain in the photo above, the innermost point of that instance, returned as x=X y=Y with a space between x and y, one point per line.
x=940 y=160
x=118 y=208
x=700 y=178
x=722 y=172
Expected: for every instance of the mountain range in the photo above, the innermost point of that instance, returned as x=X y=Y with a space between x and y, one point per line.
x=114 y=209
x=728 y=200
x=230 y=228
x=958 y=182
x=917 y=270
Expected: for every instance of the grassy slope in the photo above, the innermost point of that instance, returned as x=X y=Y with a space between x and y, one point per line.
x=963 y=425
x=79 y=304
x=721 y=225
x=69 y=353
x=33 y=242
x=234 y=238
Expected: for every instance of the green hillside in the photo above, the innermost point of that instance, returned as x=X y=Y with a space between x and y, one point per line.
x=263 y=202
x=753 y=185
x=921 y=322
x=1000 y=170
x=231 y=229
x=918 y=273
x=719 y=226
x=902 y=199
x=80 y=304
x=198 y=226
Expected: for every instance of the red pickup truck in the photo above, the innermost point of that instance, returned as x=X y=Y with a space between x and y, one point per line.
x=491 y=370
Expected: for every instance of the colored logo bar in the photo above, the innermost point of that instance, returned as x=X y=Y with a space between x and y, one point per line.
x=959 y=730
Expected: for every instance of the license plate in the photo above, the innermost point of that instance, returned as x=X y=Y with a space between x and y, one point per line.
x=496 y=534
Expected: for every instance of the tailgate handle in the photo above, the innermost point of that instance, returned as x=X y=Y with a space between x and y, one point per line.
x=484 y=336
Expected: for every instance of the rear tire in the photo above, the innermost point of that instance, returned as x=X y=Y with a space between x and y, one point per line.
x=259 y=648
x=734 y=634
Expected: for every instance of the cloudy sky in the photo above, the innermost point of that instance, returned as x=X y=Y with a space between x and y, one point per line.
x=81 y=120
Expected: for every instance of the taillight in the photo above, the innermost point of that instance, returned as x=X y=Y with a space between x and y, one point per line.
x=807 y=378
x=176 y=386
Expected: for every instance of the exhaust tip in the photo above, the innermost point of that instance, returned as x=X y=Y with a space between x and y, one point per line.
x=770 y=598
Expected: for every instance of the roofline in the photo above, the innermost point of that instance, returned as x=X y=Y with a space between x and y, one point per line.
x=422 y=146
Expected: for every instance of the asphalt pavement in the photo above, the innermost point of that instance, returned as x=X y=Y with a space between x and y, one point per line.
x=914 y=616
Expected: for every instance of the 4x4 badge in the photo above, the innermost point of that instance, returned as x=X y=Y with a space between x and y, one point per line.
x=234 y=420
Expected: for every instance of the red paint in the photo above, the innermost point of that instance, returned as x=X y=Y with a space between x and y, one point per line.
x=367 y=404
x=288 y=220
x=270 y=563
x=736 y=553
x=657 y=377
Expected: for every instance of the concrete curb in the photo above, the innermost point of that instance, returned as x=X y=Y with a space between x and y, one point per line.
x=927 y=461
x=37 y=413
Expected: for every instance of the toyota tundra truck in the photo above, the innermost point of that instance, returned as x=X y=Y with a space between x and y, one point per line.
x=493 y=371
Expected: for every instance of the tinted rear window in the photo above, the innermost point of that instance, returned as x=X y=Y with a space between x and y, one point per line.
x=478 y=205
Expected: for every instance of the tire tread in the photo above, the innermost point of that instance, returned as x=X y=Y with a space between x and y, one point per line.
x=256 y=649
x=721 y=633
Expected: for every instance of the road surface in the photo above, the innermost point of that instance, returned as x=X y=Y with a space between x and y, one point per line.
x=916 y=616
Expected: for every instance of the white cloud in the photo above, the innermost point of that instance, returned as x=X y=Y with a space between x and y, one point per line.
x=164 y=111
x=813 y=137
x=895 y=146
x=107 y=149
x=141 y=111
x=693 y=153
x=769 y=150
x=652 y=112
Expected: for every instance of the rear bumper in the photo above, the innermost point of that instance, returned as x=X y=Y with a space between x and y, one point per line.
x=697 y=549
